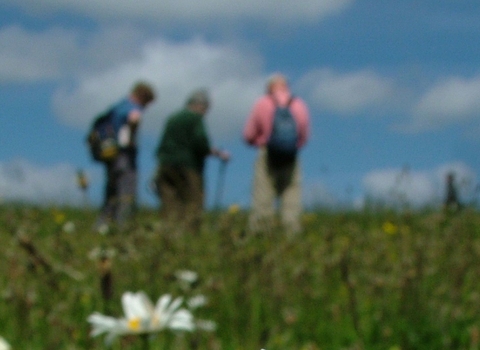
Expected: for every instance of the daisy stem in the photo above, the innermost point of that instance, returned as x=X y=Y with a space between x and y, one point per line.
x=145 y=341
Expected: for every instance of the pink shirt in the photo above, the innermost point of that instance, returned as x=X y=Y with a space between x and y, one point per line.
x=259 y=123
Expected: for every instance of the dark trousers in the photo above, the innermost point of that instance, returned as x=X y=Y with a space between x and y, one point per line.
x=182 y=195
x=120 y=190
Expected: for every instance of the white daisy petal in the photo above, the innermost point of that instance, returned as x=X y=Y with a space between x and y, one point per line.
x=4 y=345
x=128 y=300
x=136 y=305
x=163 y=302
x=146 y=302
x=175 y=304
x=183 y=321
x=101 y=323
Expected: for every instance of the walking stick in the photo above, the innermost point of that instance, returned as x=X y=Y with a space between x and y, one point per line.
x=220 y=183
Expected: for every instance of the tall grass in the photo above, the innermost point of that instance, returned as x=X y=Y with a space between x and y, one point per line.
x=370 y=280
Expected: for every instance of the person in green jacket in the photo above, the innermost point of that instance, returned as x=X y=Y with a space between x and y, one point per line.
x=181 y=154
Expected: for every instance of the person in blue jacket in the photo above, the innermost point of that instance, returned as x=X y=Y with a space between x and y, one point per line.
x=121 y=172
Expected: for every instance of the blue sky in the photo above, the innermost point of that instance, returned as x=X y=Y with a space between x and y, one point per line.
x=393 y=89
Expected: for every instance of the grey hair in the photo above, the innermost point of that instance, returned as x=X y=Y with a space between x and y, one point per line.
x=199 y=97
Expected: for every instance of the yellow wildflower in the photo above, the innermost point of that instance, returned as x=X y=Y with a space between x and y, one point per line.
x=58 y=217
x=234 y=209
x=389 y=228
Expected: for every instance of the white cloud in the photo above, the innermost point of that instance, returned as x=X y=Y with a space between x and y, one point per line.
x=26 y=182
x=450 y=101
x=400 y=187
x=453 y=100
x=29 y=56
x=232 y=76
x=318 y=195
x=57 y=53
x=175 y=11
x=347 y=93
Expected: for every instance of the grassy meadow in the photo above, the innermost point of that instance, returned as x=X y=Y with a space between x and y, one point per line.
x=352 y=280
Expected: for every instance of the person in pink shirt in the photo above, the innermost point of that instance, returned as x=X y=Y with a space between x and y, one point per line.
x=277 y=176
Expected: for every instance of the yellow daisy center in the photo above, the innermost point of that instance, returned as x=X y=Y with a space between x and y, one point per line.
x=134 y=324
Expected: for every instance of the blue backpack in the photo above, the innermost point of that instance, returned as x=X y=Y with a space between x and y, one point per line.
x=282 y=144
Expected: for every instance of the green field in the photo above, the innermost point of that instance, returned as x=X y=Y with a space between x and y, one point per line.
x=358 y=280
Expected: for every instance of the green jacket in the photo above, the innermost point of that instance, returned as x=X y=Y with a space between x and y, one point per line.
x=185 y=141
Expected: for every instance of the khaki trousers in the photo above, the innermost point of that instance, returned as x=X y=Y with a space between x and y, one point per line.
x=182 y=195
x=275 y=185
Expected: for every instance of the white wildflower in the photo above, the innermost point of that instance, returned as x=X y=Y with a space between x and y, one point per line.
x=103 y=229
x=68 y=227
x=142 y=317
x=196 y=302
x=100 y=253
x=187 y=276
x=206 y=325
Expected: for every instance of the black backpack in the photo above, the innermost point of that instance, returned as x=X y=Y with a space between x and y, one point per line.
x=282 y=144
x=102 y=138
